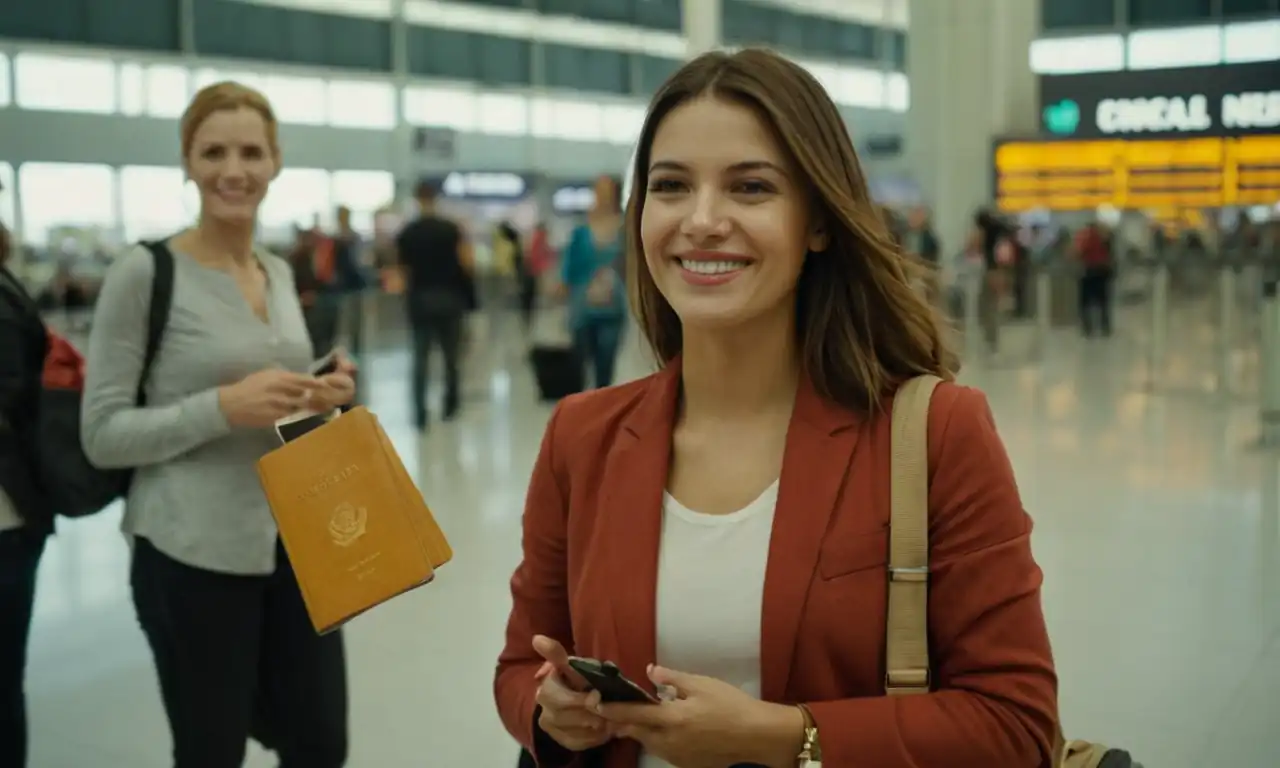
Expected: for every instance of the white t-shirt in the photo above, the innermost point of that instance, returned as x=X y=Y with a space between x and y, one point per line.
x=711 y=572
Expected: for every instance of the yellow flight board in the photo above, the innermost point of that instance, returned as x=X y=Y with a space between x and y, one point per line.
x=1129 y=174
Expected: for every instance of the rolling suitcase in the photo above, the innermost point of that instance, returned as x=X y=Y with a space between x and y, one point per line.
x=557 y=370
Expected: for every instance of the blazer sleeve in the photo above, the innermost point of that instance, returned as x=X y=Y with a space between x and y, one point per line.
x=540 y=603
x=15 y=373
x=995 y=697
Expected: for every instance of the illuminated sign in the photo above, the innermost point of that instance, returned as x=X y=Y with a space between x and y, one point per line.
x=482 y=185
x=1137 y=174
x=1231 y=100
x=573 y=199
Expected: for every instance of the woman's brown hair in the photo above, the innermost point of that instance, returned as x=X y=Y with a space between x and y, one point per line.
x=863 y=326
x=225 y=97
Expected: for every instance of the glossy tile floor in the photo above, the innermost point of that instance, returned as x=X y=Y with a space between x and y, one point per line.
x=1156 y=527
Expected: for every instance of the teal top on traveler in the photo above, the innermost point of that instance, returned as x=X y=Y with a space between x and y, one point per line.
x=583 y=258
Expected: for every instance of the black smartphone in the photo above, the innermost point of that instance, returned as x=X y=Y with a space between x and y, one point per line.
x=325 y=365
x=614 y=687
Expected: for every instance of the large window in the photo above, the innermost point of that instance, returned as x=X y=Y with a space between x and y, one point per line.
x=297 y=99
x=4 y=80
x=7 y=212
x=361 y=104
x=298 y=197
x=568 y=120
x=158 y=90
x=65 y=194
x=364 y=192
x=622 y=123
x=168 y=90
x=155 y=202
x=440 y=107
x=64 y=83
x=503 y=114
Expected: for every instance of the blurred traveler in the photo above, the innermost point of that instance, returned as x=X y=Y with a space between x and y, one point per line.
x=1093 y=250
x=526 y=279
x=235 y=651
x=437 y=262
x=591 y=269
x=25 y=521
x=349 y=280
x=997 y=258
x=920 y=241
x=318 y=316
x=719 y=527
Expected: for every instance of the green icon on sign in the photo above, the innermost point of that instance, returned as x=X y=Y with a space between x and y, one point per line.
x=1062 y=118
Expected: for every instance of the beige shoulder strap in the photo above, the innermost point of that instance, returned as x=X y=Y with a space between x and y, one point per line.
x=907 y=628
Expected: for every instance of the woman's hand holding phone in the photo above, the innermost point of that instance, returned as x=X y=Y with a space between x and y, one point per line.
x=261 y=398
x=336 y=374
x=567 y=708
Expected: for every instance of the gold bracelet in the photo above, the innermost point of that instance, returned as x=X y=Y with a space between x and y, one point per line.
x=811 y=752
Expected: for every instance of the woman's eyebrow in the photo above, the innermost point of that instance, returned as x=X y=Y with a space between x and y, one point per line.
x=742 y=167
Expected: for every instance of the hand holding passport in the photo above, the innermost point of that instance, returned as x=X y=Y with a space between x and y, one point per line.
x=356 y=528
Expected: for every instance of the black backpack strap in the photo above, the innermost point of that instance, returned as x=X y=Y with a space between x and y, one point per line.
x=158 y=309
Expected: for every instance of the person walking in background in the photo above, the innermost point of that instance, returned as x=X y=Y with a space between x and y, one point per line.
x=920 y=241
x=592 y=272
x=214 y=589
x=1093 y=250
x=437 y=264
x=25 y=524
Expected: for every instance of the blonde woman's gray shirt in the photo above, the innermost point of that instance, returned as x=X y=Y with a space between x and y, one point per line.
x=195 y=494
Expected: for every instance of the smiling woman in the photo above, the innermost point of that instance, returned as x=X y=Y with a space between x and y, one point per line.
x=215 y=592
x=720 y=528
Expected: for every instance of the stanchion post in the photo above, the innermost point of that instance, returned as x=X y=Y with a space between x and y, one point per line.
x=1044 y=309
x=1226 y=322
x=972 y=325
x=1269 y=352
x=1159 y=322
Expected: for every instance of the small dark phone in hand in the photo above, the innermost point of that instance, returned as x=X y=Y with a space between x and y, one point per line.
x=325 y=365
x=614 y=687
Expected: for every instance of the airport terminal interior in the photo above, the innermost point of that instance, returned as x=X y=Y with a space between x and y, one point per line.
x=1143 y=422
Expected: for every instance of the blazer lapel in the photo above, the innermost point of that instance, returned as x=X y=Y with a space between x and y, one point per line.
x=630 y=521
x=819 y=449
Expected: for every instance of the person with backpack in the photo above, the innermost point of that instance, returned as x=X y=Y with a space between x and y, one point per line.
x=25 y=519
x=215 y=593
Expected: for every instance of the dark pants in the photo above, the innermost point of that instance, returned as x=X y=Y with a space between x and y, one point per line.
x=20 y=551
x=1095 y=296
x=237 y=657
x=598 y=341
x=436 y=321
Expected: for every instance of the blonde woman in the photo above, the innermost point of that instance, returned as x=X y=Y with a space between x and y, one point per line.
x=214 y=591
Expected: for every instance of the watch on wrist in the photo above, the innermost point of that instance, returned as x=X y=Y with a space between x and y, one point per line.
x=811 y=752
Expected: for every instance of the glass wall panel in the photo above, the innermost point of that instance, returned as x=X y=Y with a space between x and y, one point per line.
x=1074 y=14
x=300 y=100
x=364 y=192
x=454 y=108
x=168 y=90
x=298 y=197
x=4 y=81
x=8 y=216
x=65 y=194
x=361 y=104
x=65 y=83
x=1152 y=12
x=155 y=202
x=503 y=114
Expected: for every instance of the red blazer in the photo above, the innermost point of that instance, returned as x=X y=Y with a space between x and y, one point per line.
x=591 y=531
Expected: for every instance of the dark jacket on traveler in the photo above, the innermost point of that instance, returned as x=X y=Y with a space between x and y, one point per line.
x=23 y=344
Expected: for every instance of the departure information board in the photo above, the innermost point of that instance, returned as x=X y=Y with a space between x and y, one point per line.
x=1137 y=174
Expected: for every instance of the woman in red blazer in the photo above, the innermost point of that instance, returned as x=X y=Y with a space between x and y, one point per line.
x=719 y=530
